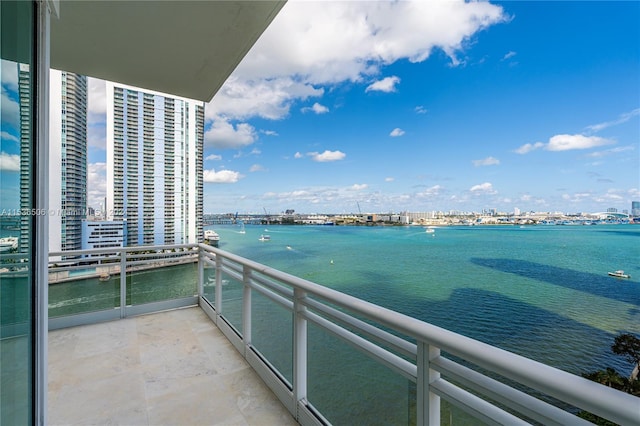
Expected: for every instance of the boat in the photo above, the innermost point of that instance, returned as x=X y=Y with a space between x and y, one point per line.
x=8 y=244
x=430 y=231
x=242 y=231
x=619 y=274
x=264 y=237
x=212 y=237
x=104 y=277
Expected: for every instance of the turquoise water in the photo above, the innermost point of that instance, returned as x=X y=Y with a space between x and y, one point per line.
x=539 y=291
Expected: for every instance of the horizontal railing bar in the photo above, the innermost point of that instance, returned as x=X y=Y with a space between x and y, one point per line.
x=233 y=274
x=208 y=256
x=276 y=287
x=232 y=266
x=121 y=249
x=210 y=262
x=477 y=407
x=391 y=360
x=397 y=343
x=270 y=294
x=515 y=399
x=577 y=391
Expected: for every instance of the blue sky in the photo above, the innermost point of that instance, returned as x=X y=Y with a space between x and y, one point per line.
x=527 y=105
x=424 y=106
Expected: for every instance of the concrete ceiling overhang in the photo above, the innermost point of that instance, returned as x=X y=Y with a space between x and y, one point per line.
x=182 y=47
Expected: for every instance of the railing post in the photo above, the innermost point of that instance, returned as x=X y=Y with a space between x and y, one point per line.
x=218 y=302
x=428 y=403
x=200 y=274
x=299 y=348
x=123 y=283
x=246 y=306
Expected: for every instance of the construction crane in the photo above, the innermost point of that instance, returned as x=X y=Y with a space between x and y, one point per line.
x=266 y=215
x=359 y=211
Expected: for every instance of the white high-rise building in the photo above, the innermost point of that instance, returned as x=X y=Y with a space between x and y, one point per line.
x=68 y=157
x=154 y=165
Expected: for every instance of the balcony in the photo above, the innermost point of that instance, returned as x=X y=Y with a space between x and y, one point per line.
x=172 y=366
x=326 y=356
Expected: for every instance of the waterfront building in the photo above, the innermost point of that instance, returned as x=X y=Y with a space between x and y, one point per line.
x=102 y=234
x=68 y=158
x=26 y=177
x=154 y=165
x=635 y=208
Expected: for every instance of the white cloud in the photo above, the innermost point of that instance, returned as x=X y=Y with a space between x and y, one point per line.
x=223 y=135
x=387 y=85
x=396 y=132
x=509 y=55
x=489 y=161
x=96 y=113
x=599 y=154
x=565 y=142
x=317 y=108
x=269 y=132
x=270 y=98
x=257 y=168
x=327 y=156
x=314 y=44
x=10 y=109
x=97 y=97
x=622 y=119
x=420 y=110
x=223 y=176
x=568 y=142
x=483 y=188
x=8 y=136
x=359 y=186
x=431 y=191
x=9 y=71
x=213 y=157
x=9 y=162
x=298 y=155
x=96 y=184
x=389 y=179
x=528 y=147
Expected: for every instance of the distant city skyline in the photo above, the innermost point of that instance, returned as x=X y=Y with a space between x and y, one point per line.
x=422 y=106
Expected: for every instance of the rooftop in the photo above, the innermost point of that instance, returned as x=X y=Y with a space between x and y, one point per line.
x=172 y=367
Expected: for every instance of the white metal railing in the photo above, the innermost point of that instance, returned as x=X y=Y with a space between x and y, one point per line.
x=375 y=331
x=486 y=382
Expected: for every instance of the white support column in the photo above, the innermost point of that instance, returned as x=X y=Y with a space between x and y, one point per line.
x=299 y=348
x=246 y=306
x=200 y=275
x=123 y=283
x=218 y=302
x=428 y=403
x=41 y=203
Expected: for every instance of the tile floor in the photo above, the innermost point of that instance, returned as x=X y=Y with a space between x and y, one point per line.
x=168 y=368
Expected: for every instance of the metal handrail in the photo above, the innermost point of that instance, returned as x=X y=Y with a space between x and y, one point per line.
x=563 y=386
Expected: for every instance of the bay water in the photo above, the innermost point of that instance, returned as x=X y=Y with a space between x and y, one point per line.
x=539 y=291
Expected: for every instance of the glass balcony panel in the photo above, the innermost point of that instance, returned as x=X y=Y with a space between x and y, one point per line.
x=232 y=301
x=209 y=285
x=345 y=384
x=83 y=291
x=157 y=282
x=272 y=333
